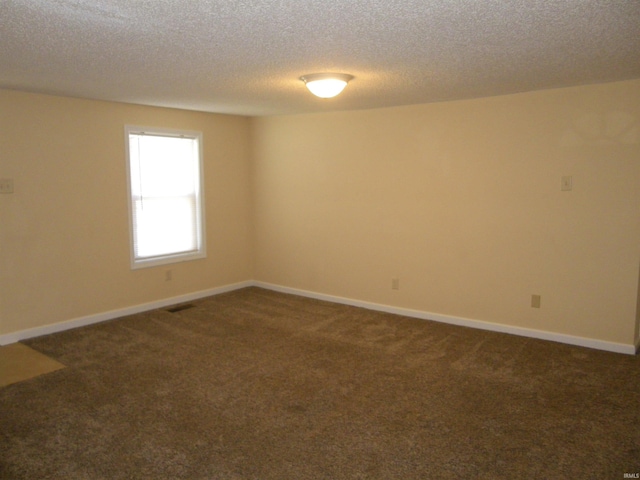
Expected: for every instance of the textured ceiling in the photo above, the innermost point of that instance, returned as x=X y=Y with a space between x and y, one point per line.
x=246 y=56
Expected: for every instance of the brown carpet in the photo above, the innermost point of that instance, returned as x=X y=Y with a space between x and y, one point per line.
x=255 y=384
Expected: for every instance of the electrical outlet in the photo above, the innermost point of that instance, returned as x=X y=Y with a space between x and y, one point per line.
x=395 y=284
x=6 y=185
x=535 y=301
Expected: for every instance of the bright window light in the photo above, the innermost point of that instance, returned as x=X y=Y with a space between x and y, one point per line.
x=165 y=186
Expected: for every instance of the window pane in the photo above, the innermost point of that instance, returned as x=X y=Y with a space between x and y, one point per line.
x=167 y=166
x=164 y=174
x=165 y=226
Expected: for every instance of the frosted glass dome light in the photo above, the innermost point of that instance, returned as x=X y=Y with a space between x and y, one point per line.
x=326 y=85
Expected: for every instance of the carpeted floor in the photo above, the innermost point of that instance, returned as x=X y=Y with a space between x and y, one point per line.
x=255 y=384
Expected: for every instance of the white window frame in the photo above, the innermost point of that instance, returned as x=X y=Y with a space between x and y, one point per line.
x=164 y=259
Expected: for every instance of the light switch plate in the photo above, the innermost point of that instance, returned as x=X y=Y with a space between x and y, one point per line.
x=6 y=185
x=535 y=301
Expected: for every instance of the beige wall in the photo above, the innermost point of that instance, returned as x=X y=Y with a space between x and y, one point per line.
x=461 y=201
x=64 y=233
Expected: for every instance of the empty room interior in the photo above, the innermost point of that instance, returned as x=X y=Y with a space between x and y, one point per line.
x=433 y=274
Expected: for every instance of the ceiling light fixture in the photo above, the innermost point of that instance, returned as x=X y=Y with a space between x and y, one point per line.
x=326 y=85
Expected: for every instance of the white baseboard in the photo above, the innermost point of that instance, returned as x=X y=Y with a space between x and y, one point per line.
x=465 y=322
x=121 y=312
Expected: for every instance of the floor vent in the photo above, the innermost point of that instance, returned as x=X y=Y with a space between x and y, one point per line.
x=179 y=308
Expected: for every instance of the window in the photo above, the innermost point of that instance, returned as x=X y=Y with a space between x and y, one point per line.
x=165 y=195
